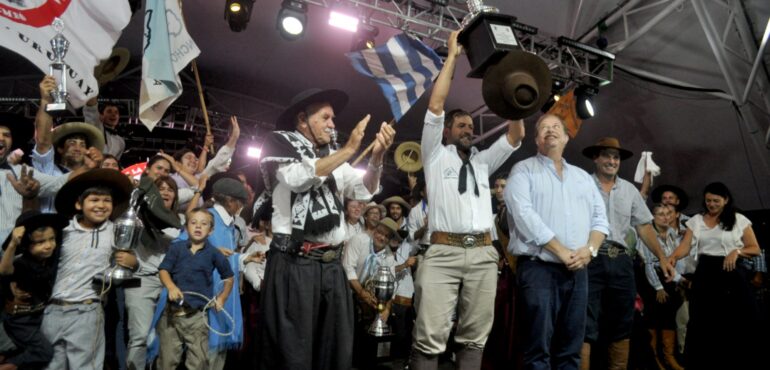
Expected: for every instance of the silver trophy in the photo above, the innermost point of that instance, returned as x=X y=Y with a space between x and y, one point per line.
x=59 y=70
x=383 y=285
x=475 y=7
x=127 y=230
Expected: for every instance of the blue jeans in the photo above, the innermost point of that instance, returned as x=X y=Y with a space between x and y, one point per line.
x=552 y=307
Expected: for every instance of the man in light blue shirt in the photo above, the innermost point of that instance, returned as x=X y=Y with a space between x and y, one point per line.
x=558 y=221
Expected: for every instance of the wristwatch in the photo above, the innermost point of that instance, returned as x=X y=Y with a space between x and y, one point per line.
x=594 y=251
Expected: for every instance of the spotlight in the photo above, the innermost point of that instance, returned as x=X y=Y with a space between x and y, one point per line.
x=292 y=19
x=342 y=18
x=253 y=152
x=556 y=88
x=583 y=104
x=238 y=13
x=365 y=37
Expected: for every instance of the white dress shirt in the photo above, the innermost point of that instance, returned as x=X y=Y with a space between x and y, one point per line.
x=451 y=211
x=254 y=272
x=417 y=221
x=301 y=176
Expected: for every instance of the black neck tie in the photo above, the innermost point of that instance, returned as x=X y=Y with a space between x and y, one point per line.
x=463 y=180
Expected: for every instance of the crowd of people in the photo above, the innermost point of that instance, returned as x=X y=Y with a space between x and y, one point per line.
x=549 y=267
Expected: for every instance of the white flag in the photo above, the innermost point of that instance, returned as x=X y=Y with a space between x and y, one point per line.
x=91 y=26
x=167 y=49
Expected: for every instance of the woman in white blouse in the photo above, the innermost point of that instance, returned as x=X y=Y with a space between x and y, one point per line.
x=723 y=312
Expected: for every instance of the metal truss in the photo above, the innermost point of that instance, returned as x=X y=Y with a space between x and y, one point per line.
x=422 y=18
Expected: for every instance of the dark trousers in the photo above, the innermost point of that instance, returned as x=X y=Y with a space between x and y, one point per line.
x=611 y=294
x=402 y=322
x=723 y=316
x=307 y=320
x=33 y=350
x=661 y=316
x=552 y=313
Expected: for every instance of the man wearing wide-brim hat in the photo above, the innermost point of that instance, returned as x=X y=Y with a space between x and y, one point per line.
x=611 y=284
x=17 y=182
x=676 y=197
x=308 y=178
x=398 y=209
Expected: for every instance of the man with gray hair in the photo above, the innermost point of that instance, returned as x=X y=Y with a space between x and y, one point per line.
x=558 y=223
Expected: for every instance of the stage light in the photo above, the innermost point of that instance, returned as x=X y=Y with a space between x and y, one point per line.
x=253 y=152
x=365 y=37
x=583 y=101
x=292 y=19
x=342 y=18
x=556 y=88
x=238 y=13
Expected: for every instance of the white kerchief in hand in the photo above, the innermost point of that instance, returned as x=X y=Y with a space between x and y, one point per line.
x=646 y=164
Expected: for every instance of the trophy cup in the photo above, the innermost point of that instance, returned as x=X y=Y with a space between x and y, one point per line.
x=127 y=230
x=383 y=286
x=59 y=70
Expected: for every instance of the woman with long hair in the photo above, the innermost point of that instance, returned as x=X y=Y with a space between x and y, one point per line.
x=722 y=308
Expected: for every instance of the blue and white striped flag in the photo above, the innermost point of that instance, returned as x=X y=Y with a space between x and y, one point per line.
x=404 y=68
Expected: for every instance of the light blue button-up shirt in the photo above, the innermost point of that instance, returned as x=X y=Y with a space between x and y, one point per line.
x=541 y=206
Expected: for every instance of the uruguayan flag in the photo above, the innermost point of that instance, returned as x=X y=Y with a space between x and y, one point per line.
x=404 y=68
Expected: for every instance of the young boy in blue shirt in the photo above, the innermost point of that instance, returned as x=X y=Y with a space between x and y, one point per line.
x=188 y=267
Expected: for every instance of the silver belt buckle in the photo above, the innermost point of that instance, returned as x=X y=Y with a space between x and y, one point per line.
x=613 y=251
x=329 y=256
x=469 y=241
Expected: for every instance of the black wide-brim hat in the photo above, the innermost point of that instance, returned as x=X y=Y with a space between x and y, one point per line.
x=22 y=129
x=33 y=220
x=118 y=183
x=336 y=98
x=517 y=86
x=657 y=195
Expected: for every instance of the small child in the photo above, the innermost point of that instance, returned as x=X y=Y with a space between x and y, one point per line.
x=74 y=318
x=188 y=266
x=28 y=270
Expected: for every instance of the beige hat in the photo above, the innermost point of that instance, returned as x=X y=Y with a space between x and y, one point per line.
x=92 y=134
x=371 y=205
x=391 y=225
x=398 y=200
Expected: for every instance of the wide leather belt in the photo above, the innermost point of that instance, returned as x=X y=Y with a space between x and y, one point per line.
x=315 y=251
x=461 y=240
x=612 y=249
x=403 y=301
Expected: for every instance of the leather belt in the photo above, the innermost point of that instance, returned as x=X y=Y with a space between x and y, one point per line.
x=403 y=301
x=322 y=252
x=18 y=309
x=60 y=302
x=612 y=249
x=461 y=240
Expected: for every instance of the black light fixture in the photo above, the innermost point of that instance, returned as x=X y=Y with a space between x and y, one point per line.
x=583 y=101
x=292 y=19
x=364 y=38
x=238 y=13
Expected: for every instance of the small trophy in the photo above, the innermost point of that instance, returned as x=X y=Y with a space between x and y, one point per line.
x=383 y=286
x=127 y=230
x=59 y=70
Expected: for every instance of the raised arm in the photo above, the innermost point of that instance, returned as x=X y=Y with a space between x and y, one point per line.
x=43 y=121
x=444 y=80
